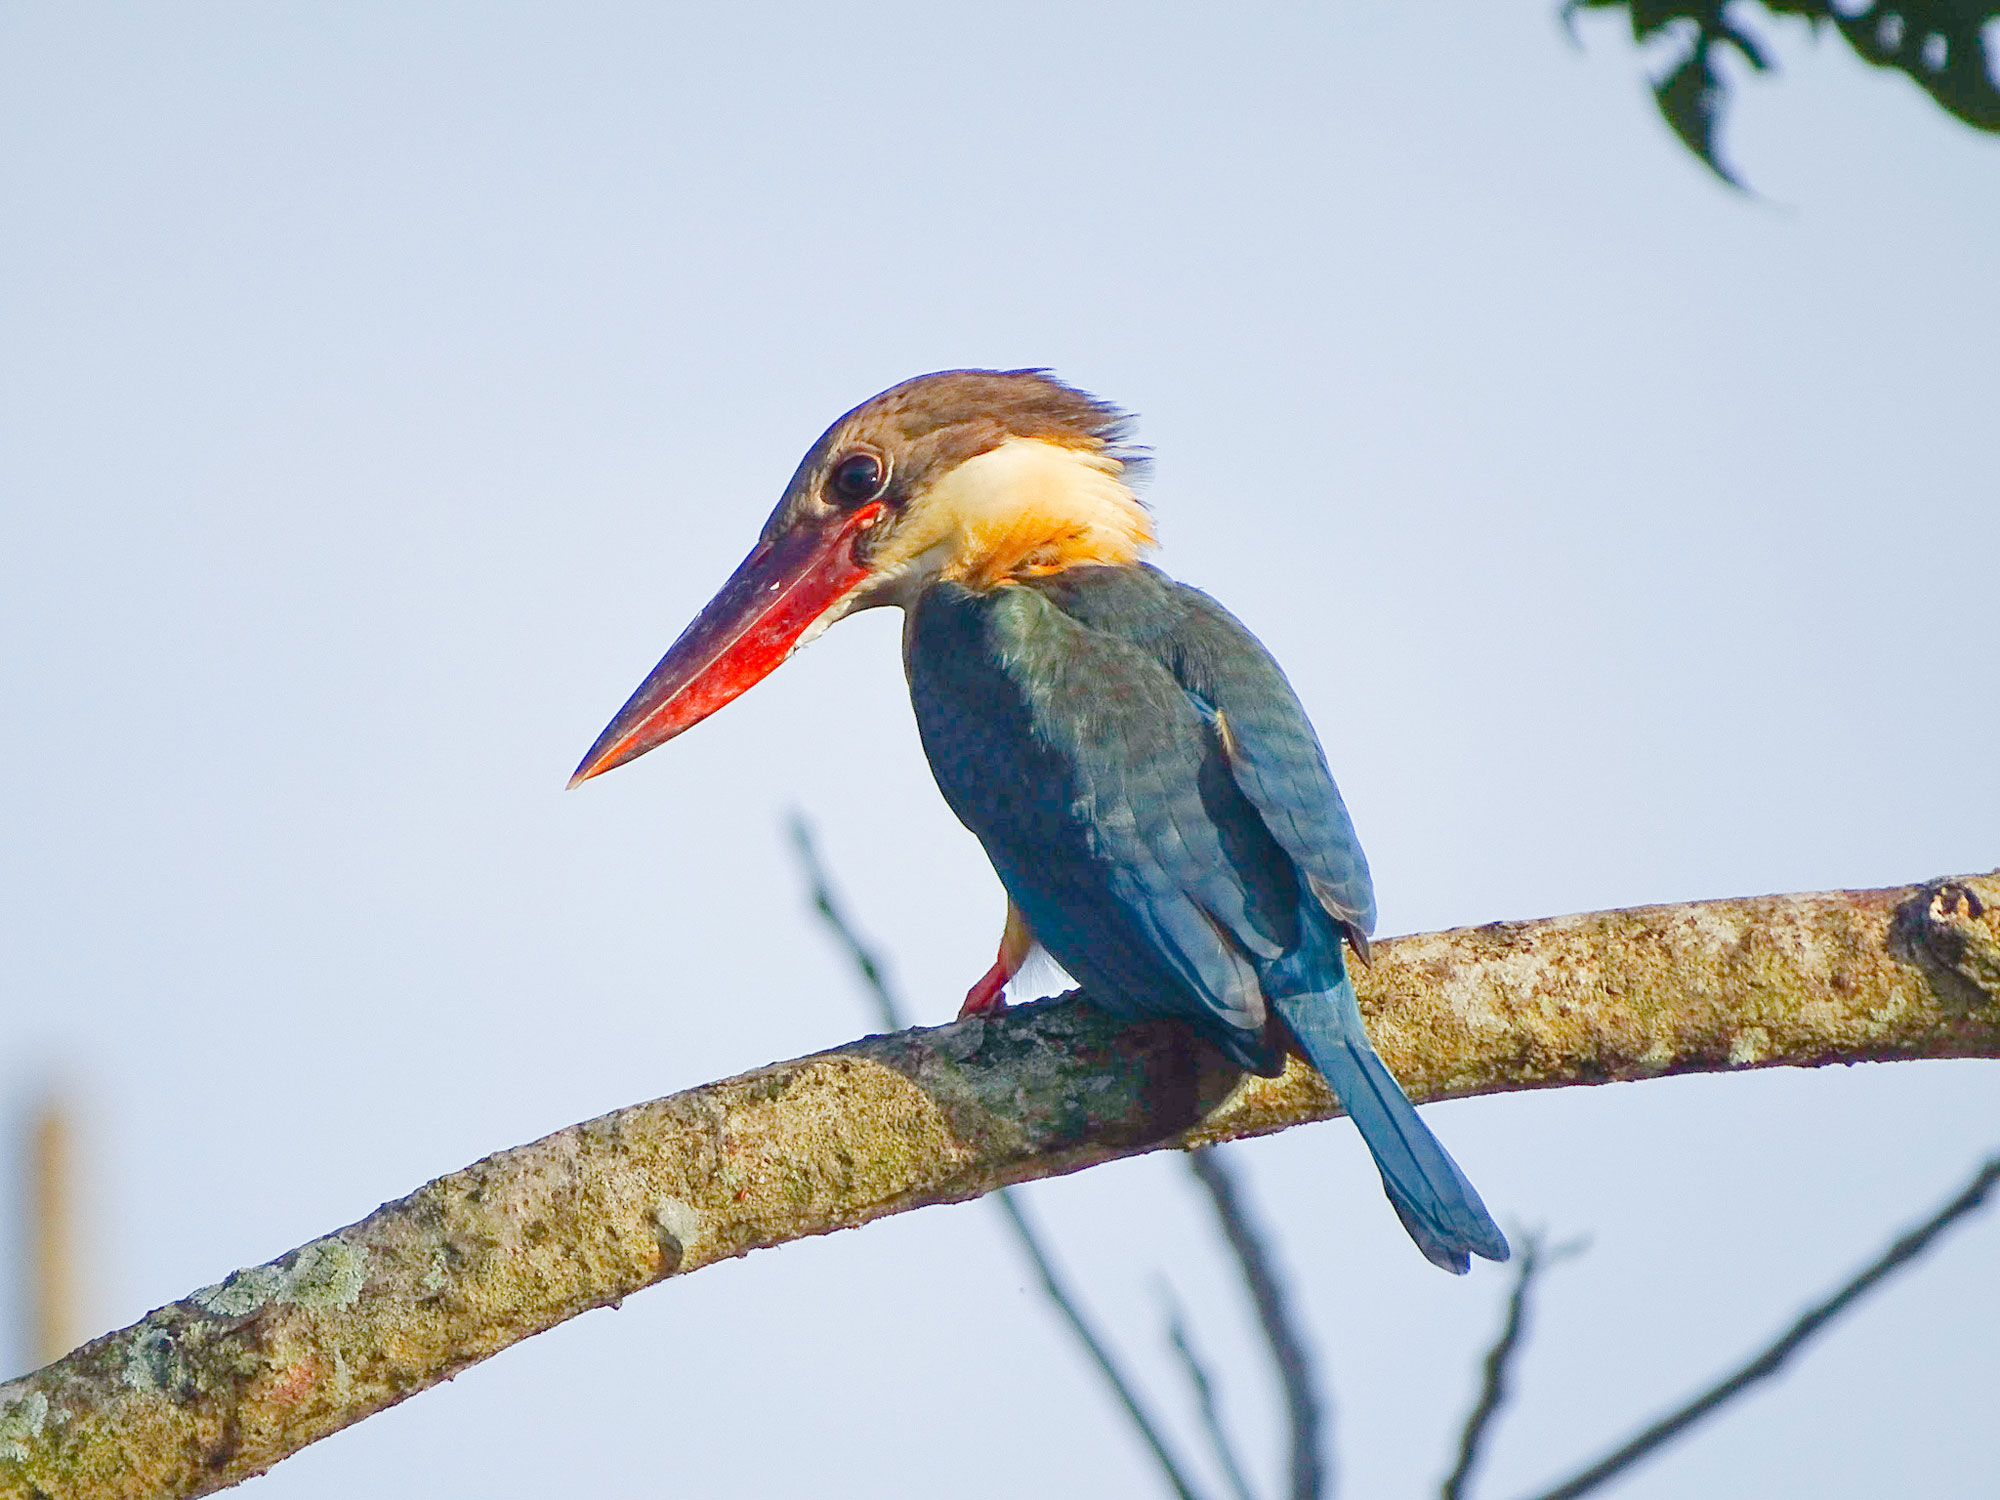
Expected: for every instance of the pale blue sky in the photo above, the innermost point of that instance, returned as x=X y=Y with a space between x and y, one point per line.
x=383 y=386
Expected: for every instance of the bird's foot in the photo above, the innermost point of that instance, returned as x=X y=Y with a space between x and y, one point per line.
x=989 y=996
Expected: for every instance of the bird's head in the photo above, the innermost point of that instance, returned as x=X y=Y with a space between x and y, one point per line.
x=980 y=476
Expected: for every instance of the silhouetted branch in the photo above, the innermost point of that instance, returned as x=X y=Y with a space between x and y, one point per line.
x=1204 y=1396
x=208 y=1391
x=1493 y=1392
x=876 y=978
x=1099 y=1354
x=1763 y=1366
x=1288 y=1349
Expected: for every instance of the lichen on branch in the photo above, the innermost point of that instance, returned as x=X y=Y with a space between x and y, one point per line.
x=208 y=1391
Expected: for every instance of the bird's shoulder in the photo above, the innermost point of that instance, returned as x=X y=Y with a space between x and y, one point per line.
x=1210 y=654
x=1082 y=641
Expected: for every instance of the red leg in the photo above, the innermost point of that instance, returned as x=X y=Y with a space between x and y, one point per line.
x=989 y=996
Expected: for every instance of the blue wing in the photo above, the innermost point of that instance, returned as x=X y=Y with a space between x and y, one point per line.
x=1098 y=788
x=1276 y=756
x=1273 y=752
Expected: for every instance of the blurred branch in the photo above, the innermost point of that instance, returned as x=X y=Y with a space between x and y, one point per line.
x=49 y=1268
x=875 y=977
x=208 y=1391
x=1493 y=1393
x=1094 y=1347
x=1812 y=1322
x=1274 y=1314
x=820 y=892
x=1204 y=1395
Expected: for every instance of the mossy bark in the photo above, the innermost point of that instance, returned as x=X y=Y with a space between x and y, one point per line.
x=218 y=1387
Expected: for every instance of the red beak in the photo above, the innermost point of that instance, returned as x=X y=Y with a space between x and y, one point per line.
x=775 y=595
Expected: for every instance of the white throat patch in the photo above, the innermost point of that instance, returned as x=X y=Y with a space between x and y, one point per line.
x=1027 y=506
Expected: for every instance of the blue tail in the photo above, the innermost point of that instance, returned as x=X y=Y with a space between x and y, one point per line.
x=1437 y=1205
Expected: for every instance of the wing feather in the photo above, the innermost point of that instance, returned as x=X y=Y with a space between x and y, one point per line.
x=1274 y=755
x=1095 y=785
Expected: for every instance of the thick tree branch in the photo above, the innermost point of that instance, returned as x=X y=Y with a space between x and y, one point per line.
x=206 y=1392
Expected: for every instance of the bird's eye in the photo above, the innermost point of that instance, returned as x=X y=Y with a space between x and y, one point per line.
x=858 y=477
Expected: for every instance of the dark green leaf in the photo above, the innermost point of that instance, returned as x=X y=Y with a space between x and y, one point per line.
x=1691 y=98
x=1945 y=46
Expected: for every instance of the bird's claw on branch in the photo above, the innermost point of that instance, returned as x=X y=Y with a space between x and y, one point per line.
x=989 y=996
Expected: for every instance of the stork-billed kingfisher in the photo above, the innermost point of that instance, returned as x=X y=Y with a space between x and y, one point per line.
x=1144 y=779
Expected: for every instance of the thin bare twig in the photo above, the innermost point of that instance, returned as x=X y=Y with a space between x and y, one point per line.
x=1204 y=1395
x=1815 y=1319
x=1101 y=1356
x=876 y=979
x=1309 y=1473
x=1499 y=1360
x=872 y=973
